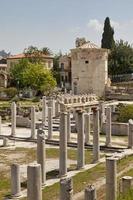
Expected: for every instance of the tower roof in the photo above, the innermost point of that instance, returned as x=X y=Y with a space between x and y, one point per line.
x=89 y=45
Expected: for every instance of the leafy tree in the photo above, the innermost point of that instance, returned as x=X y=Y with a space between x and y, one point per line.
x=38 y=78
x=4 y=54
x=35 y=55
x=108 y=35
x=46 y=51
x=56 y=69
x=17 y=73
x=126 y=113
x=32 y=75
x=121 y=59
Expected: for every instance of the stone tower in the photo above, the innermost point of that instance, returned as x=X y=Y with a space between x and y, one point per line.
x=89 y=68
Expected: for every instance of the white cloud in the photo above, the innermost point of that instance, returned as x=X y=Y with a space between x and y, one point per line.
x=115 y=24
x=95 y=24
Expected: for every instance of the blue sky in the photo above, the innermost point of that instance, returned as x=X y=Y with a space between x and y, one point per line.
x=56 y=23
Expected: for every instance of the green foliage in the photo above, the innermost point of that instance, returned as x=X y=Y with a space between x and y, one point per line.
x=35 y=55
x=11 y=92
x=126 y=113
x=17 y=73
x=36 y=99
x=56 y=69
x=127 y=196
x=108 y=35
x=121 y=58
x=32 y=75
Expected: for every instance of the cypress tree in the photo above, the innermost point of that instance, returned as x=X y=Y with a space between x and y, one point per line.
x=108 y=35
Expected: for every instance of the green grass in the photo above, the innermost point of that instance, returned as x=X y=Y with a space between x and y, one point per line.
x=129 y=194
x=4 y=185
x=80 y=180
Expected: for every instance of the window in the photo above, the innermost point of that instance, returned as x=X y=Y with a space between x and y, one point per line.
x=62 y=66
x=62 y=78
x=86 y=62
x=66 y=79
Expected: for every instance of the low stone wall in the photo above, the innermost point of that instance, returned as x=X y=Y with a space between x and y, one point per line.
x=120 y=129
x=23 y=122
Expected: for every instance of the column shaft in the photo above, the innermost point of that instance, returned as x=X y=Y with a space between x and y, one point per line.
x=108 y=126
x=66 y=189
x=111 y=179
x=90 y=193
x=34 y=191
x=63 y=144
x=15 y=180
x=96 y=146
x=127 y=183
x=13 y=119
x=44 y=110
x=130 y=134
x=68 y=126
x=80 y=141
x=50 y=123
x=87 y=129
x=33 y=122
x=41 y=153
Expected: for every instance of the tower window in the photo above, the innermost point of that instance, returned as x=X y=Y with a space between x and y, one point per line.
x=86 y=62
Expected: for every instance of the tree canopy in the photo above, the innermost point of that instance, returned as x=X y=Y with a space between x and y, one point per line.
x=108 y=35
x=32 y=75
x=56 y=69
x=121 y=58
x=35 y=55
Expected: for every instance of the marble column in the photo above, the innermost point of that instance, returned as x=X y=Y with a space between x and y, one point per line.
x=96 y=131
x=108 y=126
x=87 y=128
x=51 y=103
x=44 y=110
x=41 y=153
x=15 y=180
x=102 y=114
x=13 y=119
x=5 y=142
x=34 y=182
x=0 y=125
x=111 y=178
x=90 y=193
x=33 y=122
x=130 y=134
x=127 y=184
x=57 y=109
x=63 y=144
x=68 y=126
x=66 y=189
x=80 y=140
x=50 y=123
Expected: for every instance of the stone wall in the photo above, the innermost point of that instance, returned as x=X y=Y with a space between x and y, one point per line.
x=89 y=71
x=120 y=129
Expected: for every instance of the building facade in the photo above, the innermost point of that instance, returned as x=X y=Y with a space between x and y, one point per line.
x=65 y=71
x=88 y=66
x=3 y=72
x=47 y=60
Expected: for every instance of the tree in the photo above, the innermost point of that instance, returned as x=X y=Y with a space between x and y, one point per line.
x=32 y=75
x=4 y=54
x=121 y=59
x=35 y=55
x=56 y=69
x=108 y=35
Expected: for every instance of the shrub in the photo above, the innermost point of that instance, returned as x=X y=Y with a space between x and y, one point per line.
x=10 y=92
x=126 y=113
x=36 y=99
